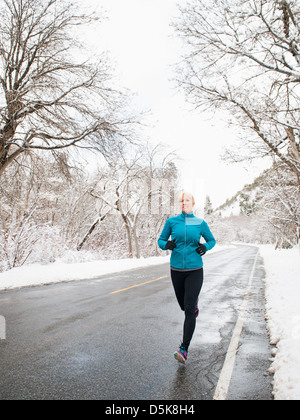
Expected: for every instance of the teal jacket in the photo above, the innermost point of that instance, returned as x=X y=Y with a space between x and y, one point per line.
x=186 y=231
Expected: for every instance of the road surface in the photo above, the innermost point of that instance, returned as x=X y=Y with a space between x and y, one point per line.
x=105 y=339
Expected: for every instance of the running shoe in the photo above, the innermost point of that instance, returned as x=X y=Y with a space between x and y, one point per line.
x=181 y=355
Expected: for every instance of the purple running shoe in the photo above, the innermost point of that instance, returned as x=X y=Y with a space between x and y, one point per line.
x=181 y=355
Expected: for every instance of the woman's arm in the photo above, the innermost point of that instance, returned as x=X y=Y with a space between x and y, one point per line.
x=208 y=236
x=165 y=235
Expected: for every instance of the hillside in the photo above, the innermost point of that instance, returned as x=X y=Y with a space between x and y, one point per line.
x=244 y=201
x=242 y=218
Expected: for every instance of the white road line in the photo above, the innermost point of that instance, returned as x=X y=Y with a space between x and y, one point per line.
x=226 y=374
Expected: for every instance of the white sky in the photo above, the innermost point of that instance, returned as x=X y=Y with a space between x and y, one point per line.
x=143 y=47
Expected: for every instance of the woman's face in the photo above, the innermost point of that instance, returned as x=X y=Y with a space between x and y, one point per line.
x=186 y=203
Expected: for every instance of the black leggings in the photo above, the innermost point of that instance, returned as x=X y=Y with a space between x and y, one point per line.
x=187 y=286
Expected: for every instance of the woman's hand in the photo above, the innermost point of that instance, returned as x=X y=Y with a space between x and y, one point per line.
x=202 y=250
x=171 y=245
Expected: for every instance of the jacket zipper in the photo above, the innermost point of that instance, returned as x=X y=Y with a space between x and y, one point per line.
x=184 y=243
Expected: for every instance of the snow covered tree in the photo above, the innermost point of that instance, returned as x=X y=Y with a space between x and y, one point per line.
x=243 y=57
x=247 y=206
x=50 y=98
x=208 y=208
x=281 y=199
x=139 y=189
x=34 y=210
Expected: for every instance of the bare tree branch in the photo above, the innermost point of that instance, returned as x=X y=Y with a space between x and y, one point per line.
x=243 y=57
x=48 y=101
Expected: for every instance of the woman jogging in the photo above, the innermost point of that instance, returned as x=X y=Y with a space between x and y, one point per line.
x=186 y=231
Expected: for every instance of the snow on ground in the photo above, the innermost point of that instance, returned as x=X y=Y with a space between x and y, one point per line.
x=38 y=274
x=283 y=314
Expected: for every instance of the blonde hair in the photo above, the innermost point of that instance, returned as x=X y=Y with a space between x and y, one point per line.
x=186 y=194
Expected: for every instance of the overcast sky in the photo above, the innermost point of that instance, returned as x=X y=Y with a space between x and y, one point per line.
x=144 y=49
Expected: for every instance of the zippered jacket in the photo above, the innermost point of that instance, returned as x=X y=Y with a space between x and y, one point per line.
x=186 y=231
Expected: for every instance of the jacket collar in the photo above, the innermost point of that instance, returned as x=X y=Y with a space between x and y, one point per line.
x=185 y=215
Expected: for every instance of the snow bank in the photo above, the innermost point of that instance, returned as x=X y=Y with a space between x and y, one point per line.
x=283 y=314
x=37 y=274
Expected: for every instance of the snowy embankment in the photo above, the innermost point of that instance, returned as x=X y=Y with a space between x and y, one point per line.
x=38 y=274
x=283 y=314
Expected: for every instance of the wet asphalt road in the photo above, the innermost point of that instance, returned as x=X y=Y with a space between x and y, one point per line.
x=77 y=341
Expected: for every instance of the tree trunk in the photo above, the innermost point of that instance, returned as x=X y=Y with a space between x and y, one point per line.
x=90 y=231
